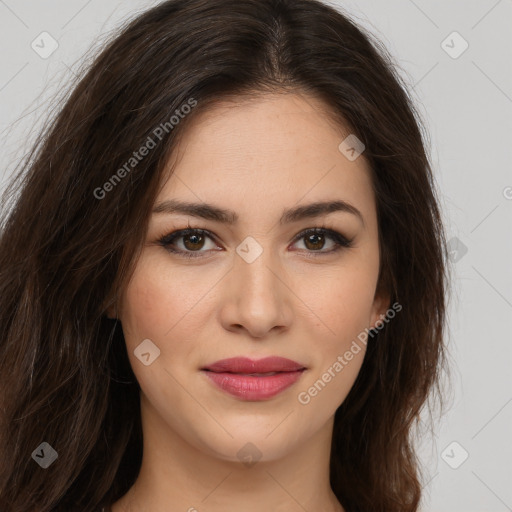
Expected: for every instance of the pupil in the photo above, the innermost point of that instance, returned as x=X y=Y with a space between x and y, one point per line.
x=310 y=239
x=195 y=241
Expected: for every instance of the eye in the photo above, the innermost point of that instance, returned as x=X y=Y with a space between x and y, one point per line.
x=315 y=240
x=189 y=243
x=193 y=240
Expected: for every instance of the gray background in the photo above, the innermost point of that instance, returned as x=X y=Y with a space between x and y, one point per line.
x=466 y=103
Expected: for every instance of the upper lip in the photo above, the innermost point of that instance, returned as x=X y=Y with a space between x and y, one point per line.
x=246 y=365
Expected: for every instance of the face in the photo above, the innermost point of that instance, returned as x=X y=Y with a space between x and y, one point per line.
x=267 y=278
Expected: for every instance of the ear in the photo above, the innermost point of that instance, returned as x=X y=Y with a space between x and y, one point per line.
x=381 y=304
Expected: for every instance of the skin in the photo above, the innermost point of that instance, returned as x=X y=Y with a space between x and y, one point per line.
x=256 y=157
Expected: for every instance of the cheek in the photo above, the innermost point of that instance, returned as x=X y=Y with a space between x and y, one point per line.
x=162 y=306
x=341 y=301
x=342 y=306
x=159 y=302
x=144 y=305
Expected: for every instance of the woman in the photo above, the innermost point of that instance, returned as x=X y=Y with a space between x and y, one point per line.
x=223 y=277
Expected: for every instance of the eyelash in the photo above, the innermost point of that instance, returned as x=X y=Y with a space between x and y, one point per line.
x=339 y=240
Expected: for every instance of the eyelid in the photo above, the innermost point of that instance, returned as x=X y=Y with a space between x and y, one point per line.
x=341 y=241
x=186 y=231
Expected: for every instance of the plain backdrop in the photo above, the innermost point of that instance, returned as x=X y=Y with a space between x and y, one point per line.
x=456 y=57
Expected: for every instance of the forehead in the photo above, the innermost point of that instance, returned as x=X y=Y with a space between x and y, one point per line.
x=270 y=149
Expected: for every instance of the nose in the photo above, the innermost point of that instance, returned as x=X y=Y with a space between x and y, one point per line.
x=257 y=298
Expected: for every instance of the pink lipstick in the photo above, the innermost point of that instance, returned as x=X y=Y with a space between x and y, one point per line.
x=254 y=380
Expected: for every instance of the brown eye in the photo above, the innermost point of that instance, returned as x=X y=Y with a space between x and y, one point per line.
x=193 y=242
x=322 y=241
x=189 y=243
x=314 y=241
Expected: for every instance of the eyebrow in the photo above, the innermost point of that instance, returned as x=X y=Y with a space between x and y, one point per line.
x=215 y=213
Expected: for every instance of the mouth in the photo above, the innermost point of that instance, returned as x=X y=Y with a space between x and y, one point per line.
x=252 y=380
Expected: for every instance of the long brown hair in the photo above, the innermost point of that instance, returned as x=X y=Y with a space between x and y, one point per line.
x=66 y=252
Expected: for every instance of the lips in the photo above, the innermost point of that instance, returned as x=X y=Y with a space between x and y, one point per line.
x=254 y=380
x=248 y=366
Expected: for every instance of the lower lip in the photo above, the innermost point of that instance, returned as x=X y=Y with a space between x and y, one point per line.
x=249 y=387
